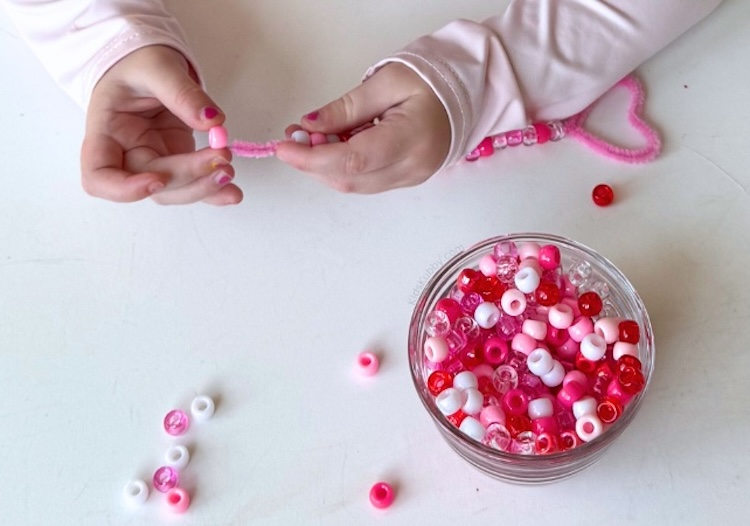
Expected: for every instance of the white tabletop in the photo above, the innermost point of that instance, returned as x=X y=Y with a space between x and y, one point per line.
x=111 y=314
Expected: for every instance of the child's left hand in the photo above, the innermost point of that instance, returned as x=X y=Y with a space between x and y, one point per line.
x=408 y=145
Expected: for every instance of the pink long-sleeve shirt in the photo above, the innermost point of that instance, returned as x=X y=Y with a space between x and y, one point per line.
x=539 y=60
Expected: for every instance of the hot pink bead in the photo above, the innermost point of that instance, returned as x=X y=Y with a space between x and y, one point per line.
x=608 y=328
x=535 y=328
x=556 y=337
x=543 y=133
x=488 y=265
x=368 y=363
x=492 y=414
x=549 y=257
x=580 y=328
x=560 y=316
x=615 y=390
x=545 y=424
x=165 y=478
x=523 y=343
x=513 y=302
x=176 y=422
x=178 y=500
x=515 y=402
x=382 y=495
x=568 y=289
x=450 y=307
x=317 y=138
x=568 y=350
x=436 y=349
x=570 y=393
x=485 y=147
x=495 y=350
x=218 y=137
x=621 y=349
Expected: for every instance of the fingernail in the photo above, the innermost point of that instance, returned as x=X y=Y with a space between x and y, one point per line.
x=210 y=112
x=155 y=187
x=222 y=178
x=312 y=116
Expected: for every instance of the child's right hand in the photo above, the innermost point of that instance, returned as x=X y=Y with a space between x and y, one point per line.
x=407 y=146
x=139 y=135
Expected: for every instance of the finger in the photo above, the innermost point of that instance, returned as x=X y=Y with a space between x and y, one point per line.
x=103 y=176
x=185 y=168
x=229 y=195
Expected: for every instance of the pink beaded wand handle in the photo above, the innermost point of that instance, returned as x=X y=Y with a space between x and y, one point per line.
x=536 y=133
x=539 y=133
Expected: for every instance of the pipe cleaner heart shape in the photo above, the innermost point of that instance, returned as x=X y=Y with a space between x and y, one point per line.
x=575 y=127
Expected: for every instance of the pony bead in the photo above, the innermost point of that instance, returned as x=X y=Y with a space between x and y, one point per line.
x=177 y=456
x=176 y=422
x=367 y=363
x=178 y=500
x=135 y=493
x=382 y=495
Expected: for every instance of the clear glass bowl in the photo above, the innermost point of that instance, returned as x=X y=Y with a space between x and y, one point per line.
x=511 y=467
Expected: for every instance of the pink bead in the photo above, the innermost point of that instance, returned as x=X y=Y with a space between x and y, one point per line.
x=513 y=302
x=436 y=349
x=488 y=265
x=317 y=138
x=573 y=304
x=523 y=343
x=176 y=422
x=492 y=414
x=535 y=328
x=608 y=328
x=549 y=257
x=495 y=350
x=484 y=370
x=485 y=147
x=580 y=328
x=576 y=376
x=382 y=495
x=367 y=363
x=568 y=350
x=560 y=316
x=570 y=393
x=178 y=500
x=165 y=478
x=218 y=137
x=543 y=133
x=621 y=349
x=529 y=250
x=568 y=289
x=545 y=424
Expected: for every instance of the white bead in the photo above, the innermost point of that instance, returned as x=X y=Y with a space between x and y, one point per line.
x=202 y=408
x=540 y=361
x=473 y=428
x=555 y=376
x=474 y=401
x=593 y=347
x=588 y=427
x=465 y=380
x=177 y=456
x=486 y=315
x=540 y=408
x=302 y=137
x=584 y=406
x=450 y=401
x=624 y=348
x=135 y=493
x=527 y=280
x=513 y=302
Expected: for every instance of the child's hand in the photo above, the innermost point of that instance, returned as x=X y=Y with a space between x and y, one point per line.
x=408 y=144
x=139 y=135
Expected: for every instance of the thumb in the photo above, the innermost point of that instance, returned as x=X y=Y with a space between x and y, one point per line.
x=173 y=85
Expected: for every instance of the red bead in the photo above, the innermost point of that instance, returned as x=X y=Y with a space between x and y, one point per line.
x=547 y=294
x=543 y=133
x=491 y=288
x=439 y=381
x=589 y=303
x=631 y=380
x=585 y=365
x=485 y=147
x=602 y=195
x=468 y=280
x=609 y=410
x=629 y=331
x=556 y=337
x=456 y=418
x=545 y=443
x=450 y=307
x=628 y=361
x=568 y=440
x=516 y=424
x=485 y=386
x=471 y=356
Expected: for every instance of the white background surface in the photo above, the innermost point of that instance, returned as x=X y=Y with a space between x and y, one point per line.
x=110 y=314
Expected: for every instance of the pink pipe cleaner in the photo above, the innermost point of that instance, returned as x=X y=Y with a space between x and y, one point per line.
x=254 y=150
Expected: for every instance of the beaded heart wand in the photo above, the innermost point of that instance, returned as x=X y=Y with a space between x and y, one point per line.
x=536 y=133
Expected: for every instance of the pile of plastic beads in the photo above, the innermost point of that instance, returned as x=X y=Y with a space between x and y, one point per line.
x=527 y=357
x=166 y=478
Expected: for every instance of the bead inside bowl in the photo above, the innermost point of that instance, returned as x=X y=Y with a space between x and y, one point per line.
x=531 y=353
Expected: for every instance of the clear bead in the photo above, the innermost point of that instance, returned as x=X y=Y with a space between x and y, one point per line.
x=531 y=384
x=456 y=340
x=557 y=130
x=470 y=302
x=515 y=137
x=468 y=326
x=609 y=310
x=499 y=141
x=517 y=360
x=601 y=288
x=524 y=443
x=491 y=399
x=456 y=293
x=507 y=266
x=507 y=326
x=497 y=437
x=579 y=272
x=504 y=379
x=437 y=323
x=505 y=248
x=529 y=136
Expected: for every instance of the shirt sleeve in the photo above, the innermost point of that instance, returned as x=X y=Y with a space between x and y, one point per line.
x=540 y=60
x=79 y=40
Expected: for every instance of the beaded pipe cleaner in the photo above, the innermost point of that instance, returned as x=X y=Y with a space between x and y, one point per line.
x=536 y=133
